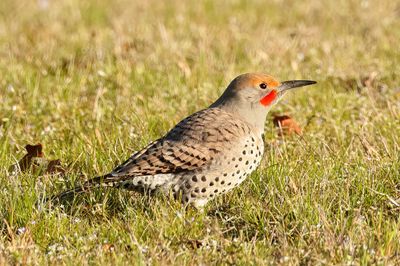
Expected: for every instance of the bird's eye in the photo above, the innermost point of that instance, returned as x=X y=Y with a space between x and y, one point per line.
x=263 y=86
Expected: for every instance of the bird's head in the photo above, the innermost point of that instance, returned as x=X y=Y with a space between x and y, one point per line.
x=261 y=89
x=252 y=95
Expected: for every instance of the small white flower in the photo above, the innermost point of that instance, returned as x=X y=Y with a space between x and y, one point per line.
x=92 y=237
x=10 y=88
x=144 y=249
x=21 y=230
x=101 y=73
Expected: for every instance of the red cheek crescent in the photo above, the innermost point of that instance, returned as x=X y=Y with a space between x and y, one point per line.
x=269 y=98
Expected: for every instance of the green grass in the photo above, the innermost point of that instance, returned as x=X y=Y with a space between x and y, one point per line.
x=94 y=81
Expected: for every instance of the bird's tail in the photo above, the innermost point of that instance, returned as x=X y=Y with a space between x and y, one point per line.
x=99 y=181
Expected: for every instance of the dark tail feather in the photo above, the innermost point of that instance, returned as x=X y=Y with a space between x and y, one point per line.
x=99 y=181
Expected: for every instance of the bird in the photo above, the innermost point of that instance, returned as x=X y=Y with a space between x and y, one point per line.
x=208 y=153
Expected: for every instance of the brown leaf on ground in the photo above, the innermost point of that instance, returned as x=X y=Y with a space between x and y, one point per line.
x=286 y=125
x=26 y=161
x=55 y=167
x=34 y=161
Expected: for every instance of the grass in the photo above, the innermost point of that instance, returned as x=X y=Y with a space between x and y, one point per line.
x=94 y=81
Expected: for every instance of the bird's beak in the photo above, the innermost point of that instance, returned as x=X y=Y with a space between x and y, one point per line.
x=279 y=91
x=290 y=84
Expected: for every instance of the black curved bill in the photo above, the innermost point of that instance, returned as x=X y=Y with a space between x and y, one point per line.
x=290 y=84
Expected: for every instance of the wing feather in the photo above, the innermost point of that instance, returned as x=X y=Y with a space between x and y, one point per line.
x=192 y=143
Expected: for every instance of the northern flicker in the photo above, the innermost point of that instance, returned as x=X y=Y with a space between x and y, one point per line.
x=208 y=153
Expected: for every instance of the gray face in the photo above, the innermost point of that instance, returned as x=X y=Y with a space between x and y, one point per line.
x=251 y=96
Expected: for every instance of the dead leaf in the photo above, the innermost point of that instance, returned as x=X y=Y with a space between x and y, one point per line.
x=54 y=167
x=286 y=125
x=26 y=161
x=34 y=161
